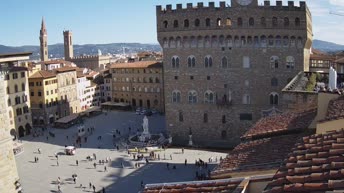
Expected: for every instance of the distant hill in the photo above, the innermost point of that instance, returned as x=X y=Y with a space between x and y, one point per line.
x=57 y=50
x=327 y=46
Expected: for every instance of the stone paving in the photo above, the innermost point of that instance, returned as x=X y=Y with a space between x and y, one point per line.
x=42 y=176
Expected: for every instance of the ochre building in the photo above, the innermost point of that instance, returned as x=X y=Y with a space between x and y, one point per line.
x=139 y=84
x=225 y=66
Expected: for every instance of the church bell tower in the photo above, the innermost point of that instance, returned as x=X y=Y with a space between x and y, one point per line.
x=43 y=38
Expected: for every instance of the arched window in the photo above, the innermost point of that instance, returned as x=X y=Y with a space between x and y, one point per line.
x=209 y=97
x=208 y=61
x=181 y=118
x=165 y=24
x=274 y=22
x=251 y=22
x=175 y=62
x=186 y=42
x=263 y=21
x=207 y=22
x=246 y=62
x=237 y=41
x=224 y=62
x=228 y=22
x=263 y=42
x=176 y=96
x=207 y=42
x=239 y=22
x=15 y=88
x=150 y=80
x=186 y=23
x=223 y=119
x=205 y=117
x=193 y=42
x=23 y=86
x=218 y=21
x=297 y=22
x=165 y=43
x=171 y=42
x=246 y=99
x=273 y=98
x=222 y=41
x=256 y=41
x=249 y=41
x=299 y=42
x=274 y=81
x=179 y=42
x=274 y=62
x=285 y=41
x=191 y=61
x=290 y=62
x=214 y=41
x=292 y=41
x=271 y=40
x=192 y=97
x=286 y=22
x=9 y=102
x=278 y=41
x=175 y=23
x=229 y=41
x=200 y=41
x=197 y=22
x=243 y=40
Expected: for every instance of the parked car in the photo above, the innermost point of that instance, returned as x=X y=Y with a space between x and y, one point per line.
x=143 y=112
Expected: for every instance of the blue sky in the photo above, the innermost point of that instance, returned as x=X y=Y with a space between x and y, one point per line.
x=109 y=21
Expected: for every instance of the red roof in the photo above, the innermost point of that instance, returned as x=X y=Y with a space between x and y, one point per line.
x=314 y=165
x=261 y=154
x=227 y=186
x=42 y=74
x=141 y=64
x=280 y=123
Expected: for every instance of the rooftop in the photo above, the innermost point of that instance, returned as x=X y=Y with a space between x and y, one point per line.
x=65 y=69
x=280 y=123
x=141 y=64
x=42 y=74
x=316 y=164
x=7 y=55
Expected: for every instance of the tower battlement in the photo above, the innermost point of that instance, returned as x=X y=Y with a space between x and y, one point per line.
x=223 y=6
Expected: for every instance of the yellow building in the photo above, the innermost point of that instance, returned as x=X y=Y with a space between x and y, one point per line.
x=11 y=75
x=44 y=97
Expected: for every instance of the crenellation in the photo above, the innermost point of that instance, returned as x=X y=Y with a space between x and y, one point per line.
x=179 y=6
x=279 y=3
x=222 y=4
x=169 y=7
x=211 y=5
x=290 y=4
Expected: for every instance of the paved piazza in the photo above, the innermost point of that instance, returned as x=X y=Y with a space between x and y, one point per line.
x=42 y=176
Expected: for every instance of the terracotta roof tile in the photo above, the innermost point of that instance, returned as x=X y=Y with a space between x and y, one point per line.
x=42 y=74
x=326 y=172
x=335 y=109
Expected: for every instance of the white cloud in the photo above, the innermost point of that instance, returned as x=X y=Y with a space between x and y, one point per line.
x=337 y=2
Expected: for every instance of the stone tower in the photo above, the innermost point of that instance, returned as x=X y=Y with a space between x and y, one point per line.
x=225 y=66
x=43 y=38
x=68 y=45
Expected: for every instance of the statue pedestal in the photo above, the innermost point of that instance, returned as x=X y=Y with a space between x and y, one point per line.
x=190 y=140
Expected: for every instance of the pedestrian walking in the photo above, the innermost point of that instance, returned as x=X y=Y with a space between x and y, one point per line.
x=57 y=163
x=74 y=180
x=77 y=162
x=59 y=187
x=39 y=150
x=186 y=161
x=58 y=180
x=95 y=165
x=94 y=188
x=168 y=166
x=105 y=169
x=90 y=185
x=142 y=186
x=103 y=190
x=183 y=150
x=171 y=156
x=122 y=164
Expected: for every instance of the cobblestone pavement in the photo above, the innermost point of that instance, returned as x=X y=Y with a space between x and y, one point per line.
x=42 y=176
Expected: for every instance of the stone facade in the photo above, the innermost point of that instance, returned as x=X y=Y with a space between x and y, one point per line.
x=224 y=65
x=139 y=84
x=67 y=91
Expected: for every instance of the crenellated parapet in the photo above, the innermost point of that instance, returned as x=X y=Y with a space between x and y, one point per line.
x=224 y=6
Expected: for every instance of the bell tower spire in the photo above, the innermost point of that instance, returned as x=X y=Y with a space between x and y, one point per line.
x=43 y=37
